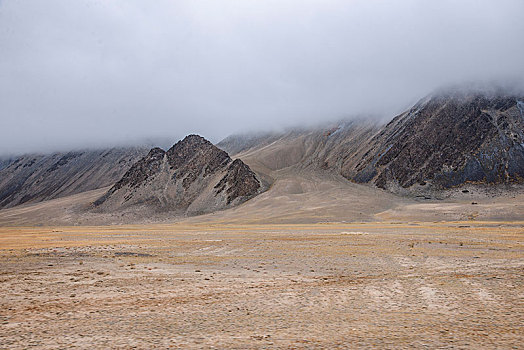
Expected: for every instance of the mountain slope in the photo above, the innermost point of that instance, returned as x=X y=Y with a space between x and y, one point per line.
x=6 y=161
x=34 y=178
x=192 y=177
x=321 y=147
x=446 y=139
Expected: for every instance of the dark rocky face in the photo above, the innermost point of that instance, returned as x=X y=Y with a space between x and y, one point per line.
x=143 y=169
x=194 y=154
x=239 y=181
x=449 y=140
x=193 y=175
x=445 y=140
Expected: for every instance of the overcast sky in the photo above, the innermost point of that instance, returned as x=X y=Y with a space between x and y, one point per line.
x=86 y=73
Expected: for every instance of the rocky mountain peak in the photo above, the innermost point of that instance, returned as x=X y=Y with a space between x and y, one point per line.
x=195 y=152
x=193 y=176
x=143 y=169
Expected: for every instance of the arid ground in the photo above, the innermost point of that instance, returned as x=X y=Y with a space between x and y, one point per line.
x=392 y=285
x=291 y=269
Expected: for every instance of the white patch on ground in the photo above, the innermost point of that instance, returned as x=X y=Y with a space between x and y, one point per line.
x=435 y=299
x=481 y=293
x=389 y=296
x=405 y=262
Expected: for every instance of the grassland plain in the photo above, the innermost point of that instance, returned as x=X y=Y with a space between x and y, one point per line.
x=445 y=284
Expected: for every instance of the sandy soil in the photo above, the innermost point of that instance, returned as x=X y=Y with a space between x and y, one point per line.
x=214 y=285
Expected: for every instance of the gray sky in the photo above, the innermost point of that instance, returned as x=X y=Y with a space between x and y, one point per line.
x=84 y=73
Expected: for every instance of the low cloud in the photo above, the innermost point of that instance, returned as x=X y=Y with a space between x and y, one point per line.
x=95 y=73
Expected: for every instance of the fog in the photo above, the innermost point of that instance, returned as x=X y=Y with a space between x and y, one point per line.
x=95 y=73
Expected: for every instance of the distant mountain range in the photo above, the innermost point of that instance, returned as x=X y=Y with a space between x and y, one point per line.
x=445 y=140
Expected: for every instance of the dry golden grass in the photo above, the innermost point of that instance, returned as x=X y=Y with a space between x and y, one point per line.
x=191 y=285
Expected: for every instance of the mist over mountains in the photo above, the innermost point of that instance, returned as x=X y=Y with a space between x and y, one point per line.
x=91 y=73
x=449 y=139
x=403 y=96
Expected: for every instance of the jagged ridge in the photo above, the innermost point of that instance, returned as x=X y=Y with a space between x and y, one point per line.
x=192 y=177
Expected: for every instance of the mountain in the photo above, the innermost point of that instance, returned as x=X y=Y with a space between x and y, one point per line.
x=325 y=147
x=35 y=178
x=447 y=139
x=192 y=177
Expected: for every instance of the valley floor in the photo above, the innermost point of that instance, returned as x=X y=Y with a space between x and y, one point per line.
x=314 y=262
x=390 y=284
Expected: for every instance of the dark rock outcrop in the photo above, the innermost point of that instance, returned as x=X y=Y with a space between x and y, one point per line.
x=142 y=170
x=447 y=140
x=239 y=181
x=192 y=177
